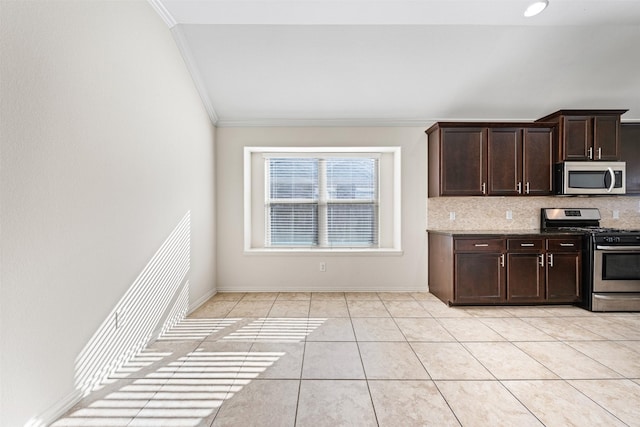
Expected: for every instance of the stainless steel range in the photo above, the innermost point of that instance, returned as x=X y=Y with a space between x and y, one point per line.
x=611 y=258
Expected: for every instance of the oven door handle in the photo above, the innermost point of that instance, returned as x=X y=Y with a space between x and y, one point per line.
x=618 y=248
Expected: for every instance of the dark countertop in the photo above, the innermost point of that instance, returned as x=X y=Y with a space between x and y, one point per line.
x=491 y=233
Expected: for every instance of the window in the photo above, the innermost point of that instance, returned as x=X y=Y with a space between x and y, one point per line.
x=322 y=199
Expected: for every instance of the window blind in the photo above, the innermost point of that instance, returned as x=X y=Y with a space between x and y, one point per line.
x=352 y=201
x=292 y=202
x=321 y=201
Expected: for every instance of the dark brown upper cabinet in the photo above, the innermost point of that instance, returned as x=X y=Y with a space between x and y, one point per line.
x=504 y=151
x=520 y=161
x=630 y=153
x=459 y=161
x=587 y=134
x=501 y=159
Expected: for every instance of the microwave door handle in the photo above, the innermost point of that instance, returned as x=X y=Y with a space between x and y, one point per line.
x=613 y=180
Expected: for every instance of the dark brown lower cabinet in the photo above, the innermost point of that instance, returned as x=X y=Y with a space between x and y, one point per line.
x=525 y=278
x=564 y=266
x=525 y=270
x=504 y=270
x=480 y=278
x=563 y=277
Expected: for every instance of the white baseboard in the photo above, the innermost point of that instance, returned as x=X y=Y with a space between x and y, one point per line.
x=56 y=411
x=197 y=303
x=65 y=404
x=316 y=289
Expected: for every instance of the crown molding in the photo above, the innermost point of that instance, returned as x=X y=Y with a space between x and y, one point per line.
x=348 y=122
x=192 y=67
x=166 y=16
x=353 y=122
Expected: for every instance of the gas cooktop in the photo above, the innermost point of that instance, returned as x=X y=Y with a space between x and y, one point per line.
x=587 y=222
x=595 y=230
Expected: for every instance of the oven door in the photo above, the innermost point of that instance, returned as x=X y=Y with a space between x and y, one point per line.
x=616 y=269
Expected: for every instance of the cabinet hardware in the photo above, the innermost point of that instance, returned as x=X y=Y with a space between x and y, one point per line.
x=590 y=153
x=481 y=245
x=541 y=256
x=527 y=245
x=527 y=188
x=567 y=245
x=599 y=153
x=502 y=260
x=550 y=260
x=484 y=188
x=519 y=187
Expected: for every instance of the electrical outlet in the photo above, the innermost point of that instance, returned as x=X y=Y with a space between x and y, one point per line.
x=323 y=267
x=452 y=216
x=616 y=214
x=509 y=215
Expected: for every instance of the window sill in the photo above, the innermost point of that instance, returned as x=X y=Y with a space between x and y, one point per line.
x=324 y=252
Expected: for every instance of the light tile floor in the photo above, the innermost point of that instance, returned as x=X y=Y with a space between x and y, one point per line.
x=377 y=359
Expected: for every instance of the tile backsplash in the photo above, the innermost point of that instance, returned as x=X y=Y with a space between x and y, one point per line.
x=490 y=213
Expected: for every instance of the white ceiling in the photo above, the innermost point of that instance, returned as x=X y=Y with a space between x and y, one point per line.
x=406 y=62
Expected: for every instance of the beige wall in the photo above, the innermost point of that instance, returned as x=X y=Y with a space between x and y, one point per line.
x=238 y=271
x=105 y=149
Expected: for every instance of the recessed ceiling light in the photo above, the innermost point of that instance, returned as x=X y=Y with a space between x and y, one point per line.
x=536 y=7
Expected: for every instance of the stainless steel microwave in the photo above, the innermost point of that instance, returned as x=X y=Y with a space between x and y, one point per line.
x=584 y=178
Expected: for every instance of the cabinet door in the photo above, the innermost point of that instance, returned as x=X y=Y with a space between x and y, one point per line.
x=563 y=277
x=537 y=154
x=479 y=278
x=606 y=141
x=463 y=162
x=577 y=137
x=630 y=153
x=525 y=277
x=504 y=151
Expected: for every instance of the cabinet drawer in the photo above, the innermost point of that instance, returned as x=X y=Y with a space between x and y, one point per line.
x=564 y=245
x=531 y=245
x=479 y=245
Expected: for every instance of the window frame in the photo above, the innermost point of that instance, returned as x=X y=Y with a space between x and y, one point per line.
x=392 y=199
